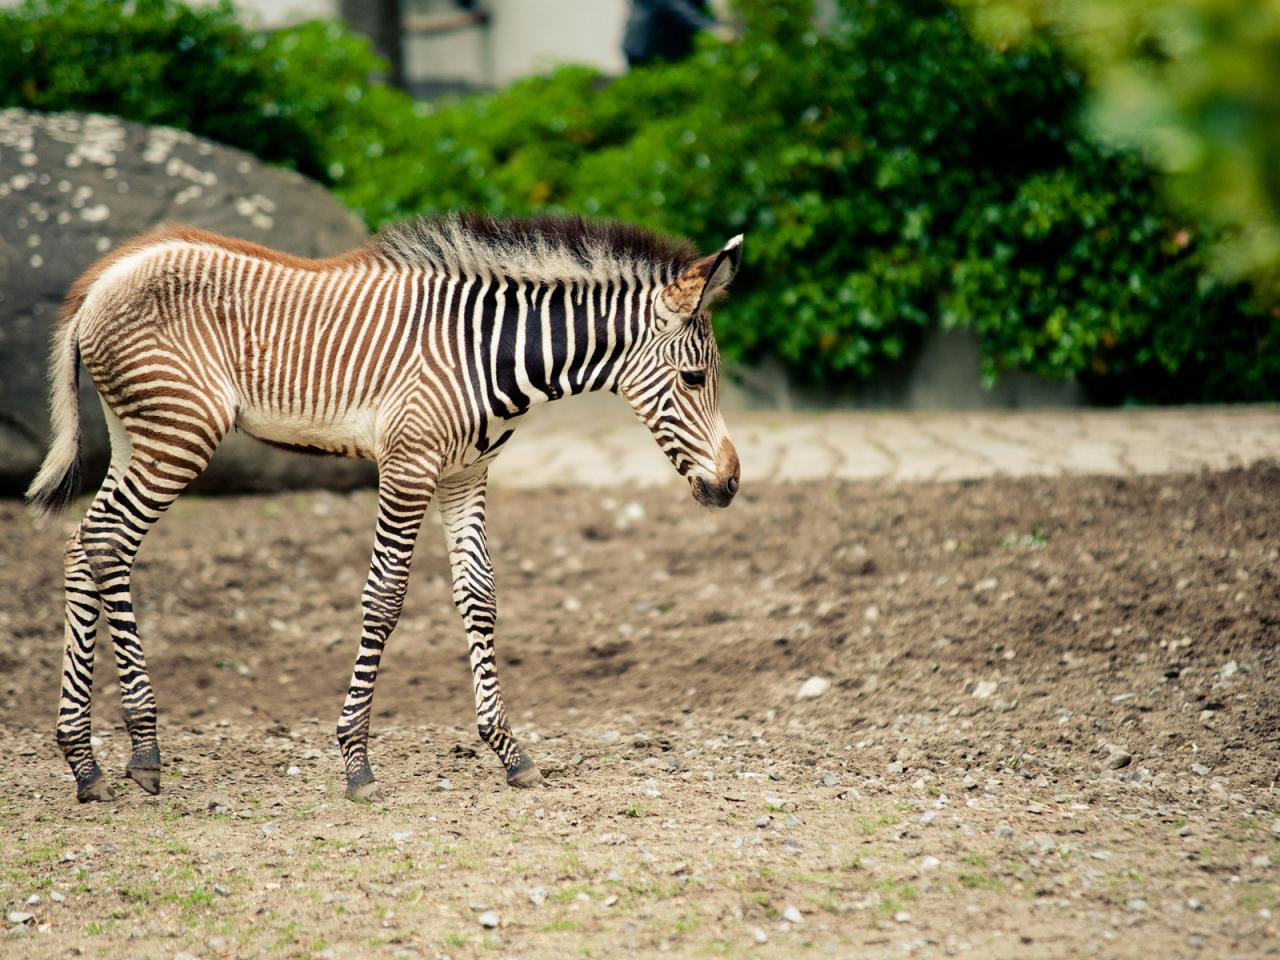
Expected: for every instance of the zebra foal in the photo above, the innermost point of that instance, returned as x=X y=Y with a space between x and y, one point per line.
x=419 y=351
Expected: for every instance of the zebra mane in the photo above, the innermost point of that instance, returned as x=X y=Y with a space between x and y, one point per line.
x=542 y=248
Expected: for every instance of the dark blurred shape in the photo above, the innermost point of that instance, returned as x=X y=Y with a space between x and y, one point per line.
x=381 y=22
x=664 y=29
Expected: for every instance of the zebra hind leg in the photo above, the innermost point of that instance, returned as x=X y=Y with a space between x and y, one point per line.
x=112 y=532
x=462 y=508
x=74 y=707
x=403 y=498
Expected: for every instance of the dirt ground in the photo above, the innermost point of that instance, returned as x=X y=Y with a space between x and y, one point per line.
x=1052 y=729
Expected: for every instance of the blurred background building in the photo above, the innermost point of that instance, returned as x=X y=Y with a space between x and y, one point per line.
x=446 y=46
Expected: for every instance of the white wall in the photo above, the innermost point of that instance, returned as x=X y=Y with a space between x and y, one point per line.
x=523 y=37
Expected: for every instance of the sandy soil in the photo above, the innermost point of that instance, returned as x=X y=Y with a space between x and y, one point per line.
x=1052 y=729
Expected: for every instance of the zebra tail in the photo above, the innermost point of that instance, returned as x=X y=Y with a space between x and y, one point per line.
x=59 y=478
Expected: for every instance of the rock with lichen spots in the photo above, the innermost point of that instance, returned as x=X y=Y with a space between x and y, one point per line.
x=72 y=187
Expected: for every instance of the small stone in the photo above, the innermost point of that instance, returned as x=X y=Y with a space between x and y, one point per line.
x=610 y=900
x=269 y=829
x=1194 y=905
x=220 y=890
x=930 y=863
x=792 y=915
x=985 y=689
x=1119 y=759
x=443 y=784
x=1262 y=861
x=488 y=919
x=537 y=896
x=1003 y=831
x=1184 y=831
x=56 y=896
x=33 y=900
x=1200 y=769
x=1136 y=904
x=293 y=771
x=902 y=916
x=20 y=916
x=813 y=687
x=986 y=586
x=1045 y=843
x=764 y=821
x=759 y=935
x=831 y=780
x=1230 y=669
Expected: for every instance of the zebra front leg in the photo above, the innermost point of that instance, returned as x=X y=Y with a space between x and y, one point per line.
x=462 y=502
x=75 y=704
x=403 y=498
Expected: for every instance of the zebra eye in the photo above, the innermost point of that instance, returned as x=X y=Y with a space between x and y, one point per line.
x=693 y=378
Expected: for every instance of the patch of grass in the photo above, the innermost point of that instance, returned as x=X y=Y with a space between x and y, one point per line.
x=894 y=895
x=41 y=854
x=980 y=880
x=455 y=940
x=1035 y=540
x=635 y=810
x=566 y=894
x=559 y=926
x=868 y=825
x=688 y=922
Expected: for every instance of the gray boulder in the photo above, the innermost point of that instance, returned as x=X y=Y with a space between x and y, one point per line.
x=72 y=186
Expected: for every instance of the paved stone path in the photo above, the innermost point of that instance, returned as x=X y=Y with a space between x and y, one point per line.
x=596 y=441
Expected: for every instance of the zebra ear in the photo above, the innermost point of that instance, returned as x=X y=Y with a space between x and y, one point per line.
x=705 y=281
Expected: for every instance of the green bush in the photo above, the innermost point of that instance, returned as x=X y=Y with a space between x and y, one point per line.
x=297 y=97
x=890 y=173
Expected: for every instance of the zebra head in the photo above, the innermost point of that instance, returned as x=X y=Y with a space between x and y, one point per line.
x=673 y=380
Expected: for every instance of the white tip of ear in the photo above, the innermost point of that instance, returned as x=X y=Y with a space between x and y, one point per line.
x=735 y=242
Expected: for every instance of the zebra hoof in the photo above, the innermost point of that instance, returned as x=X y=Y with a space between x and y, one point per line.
x=368 y=792
x=148 y=778
x=96 y=791
x=526 y=775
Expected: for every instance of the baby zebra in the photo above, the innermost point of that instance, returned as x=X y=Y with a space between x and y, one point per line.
x=419 y=351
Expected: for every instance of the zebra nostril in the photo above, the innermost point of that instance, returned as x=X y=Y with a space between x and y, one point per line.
x=731 y=485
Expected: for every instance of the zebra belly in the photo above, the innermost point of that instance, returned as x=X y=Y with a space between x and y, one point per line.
x=353 y=434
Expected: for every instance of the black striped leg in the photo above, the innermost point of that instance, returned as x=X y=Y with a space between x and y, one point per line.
x=111 y=535
x=462 y=502
x=74 y=728
x=403 y=498
x=170 y=445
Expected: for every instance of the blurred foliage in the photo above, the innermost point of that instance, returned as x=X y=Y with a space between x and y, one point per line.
x=297 y=97
x=1194 y=84
x=890 y=172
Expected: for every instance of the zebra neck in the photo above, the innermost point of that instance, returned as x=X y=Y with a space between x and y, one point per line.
x=547 y=340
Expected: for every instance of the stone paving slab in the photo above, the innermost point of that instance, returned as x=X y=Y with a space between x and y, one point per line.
x=597 y=442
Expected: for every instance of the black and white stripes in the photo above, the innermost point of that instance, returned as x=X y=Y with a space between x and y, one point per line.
x=421 y=352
